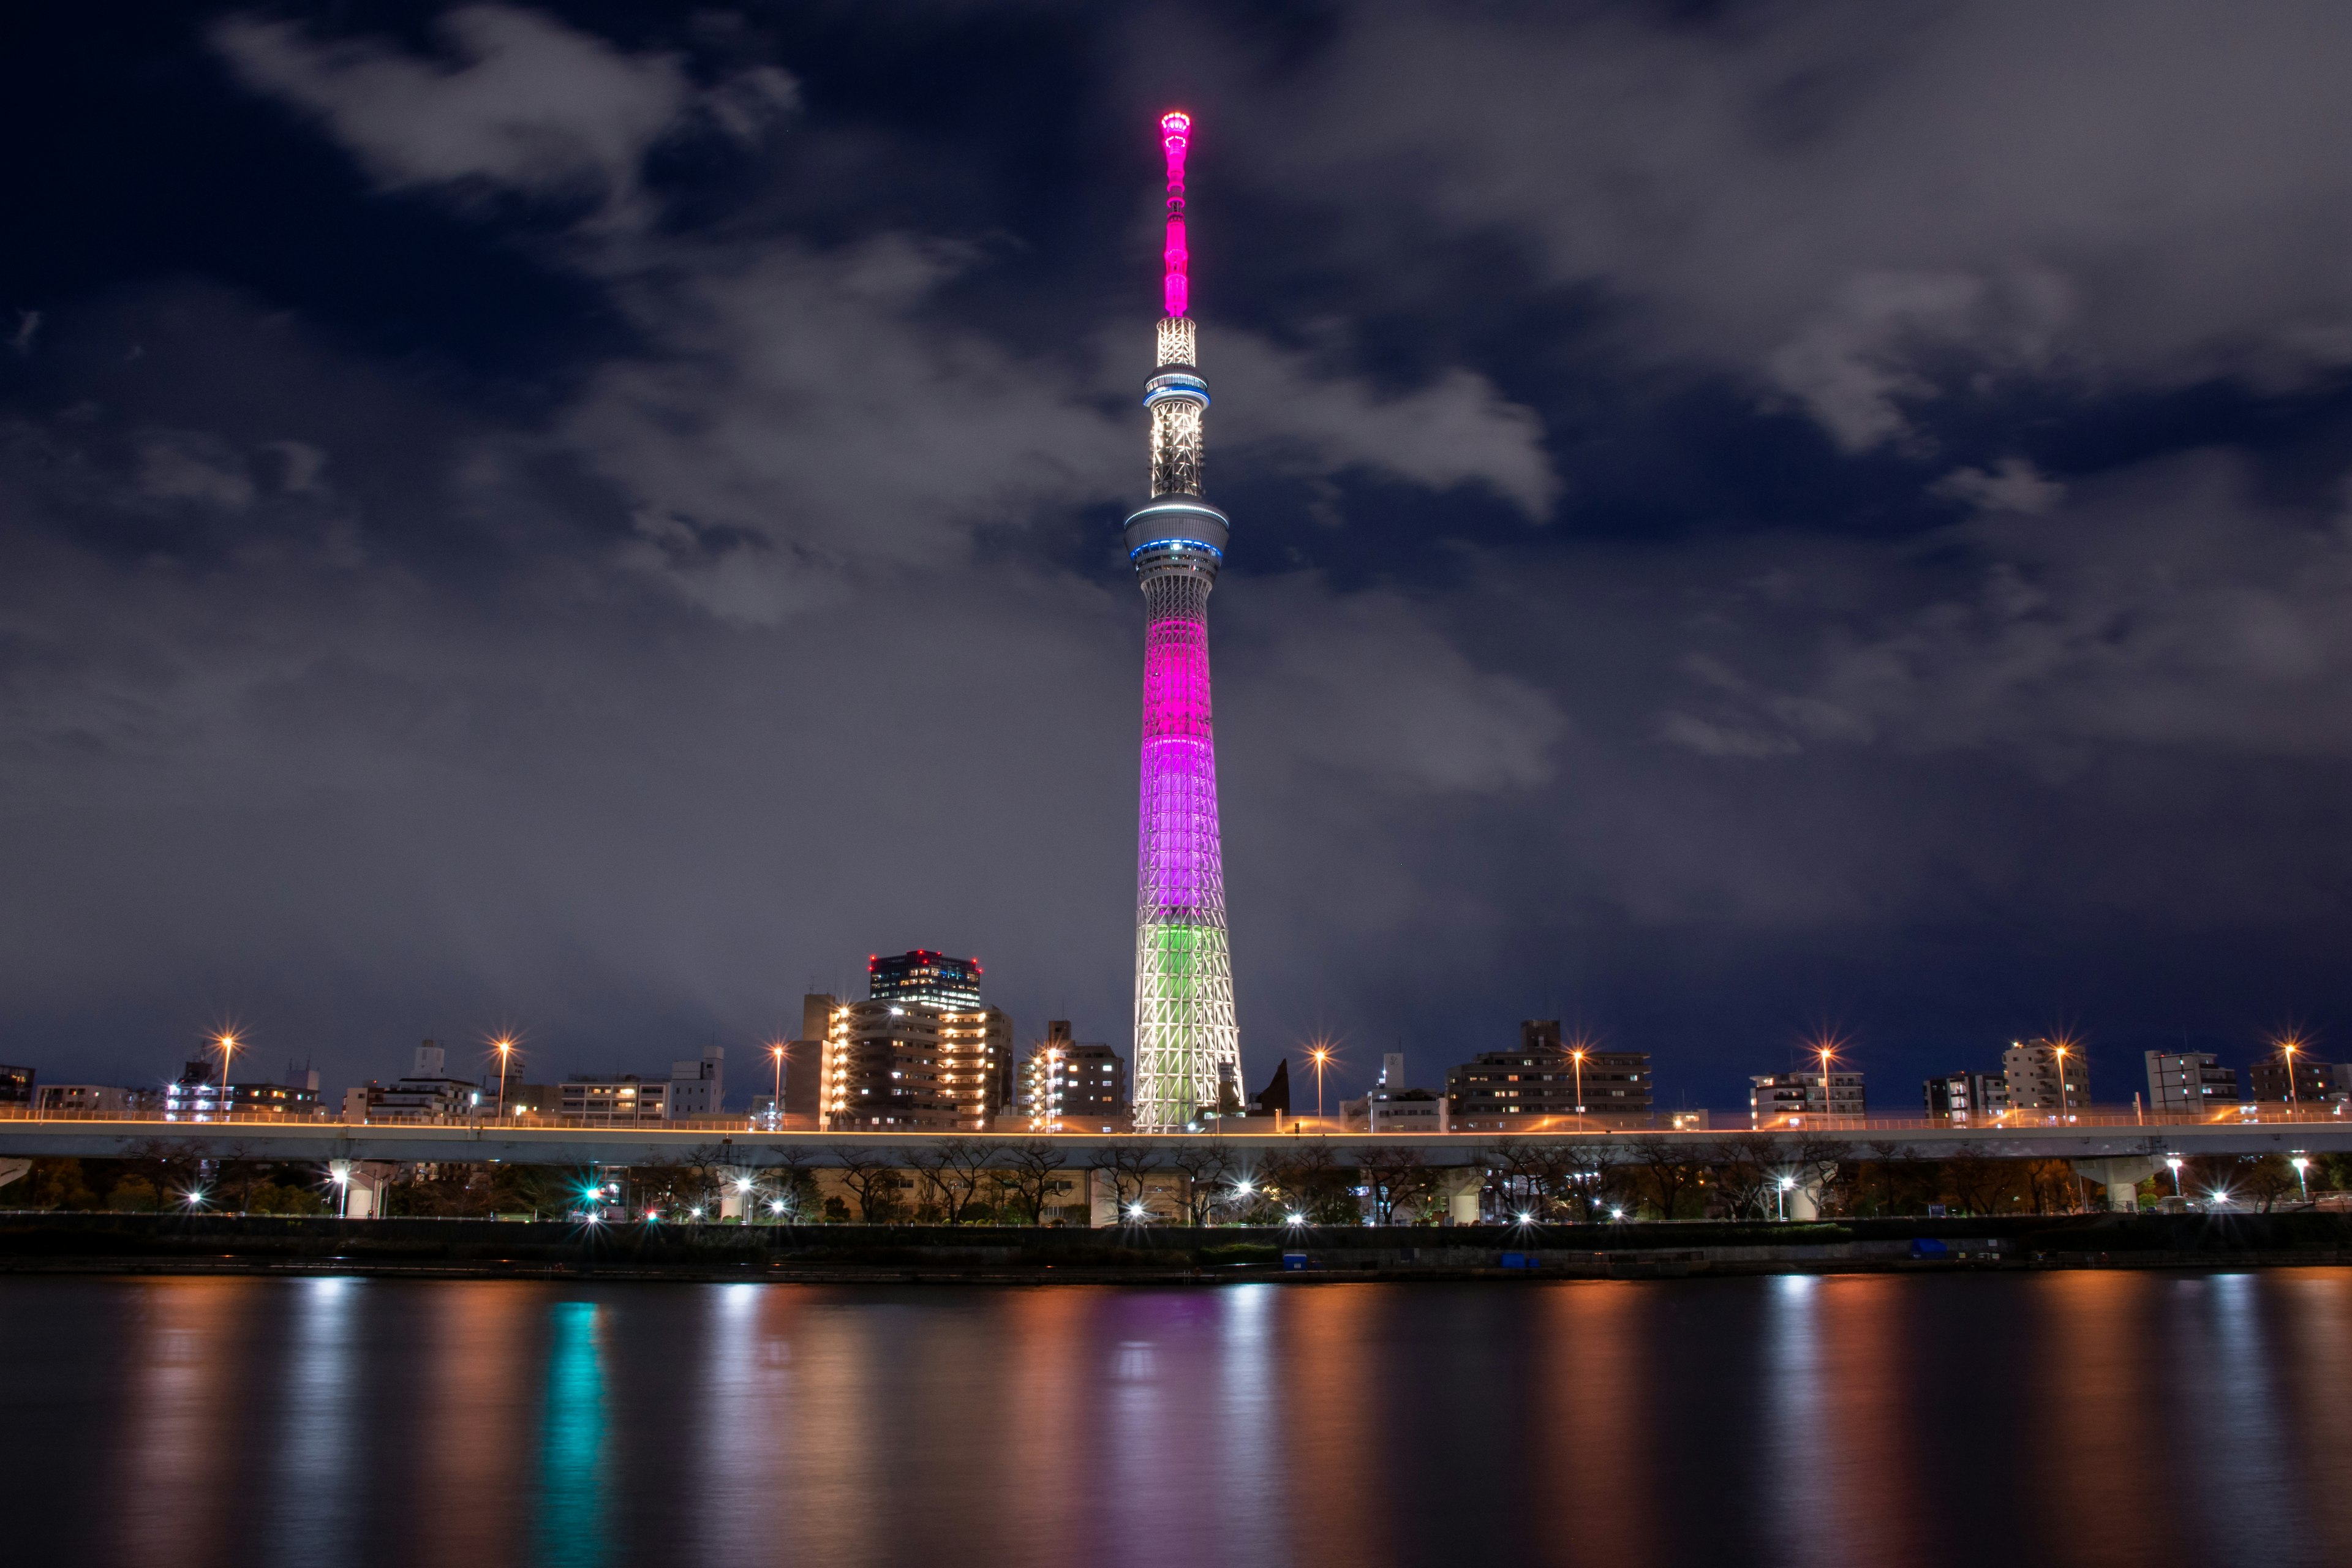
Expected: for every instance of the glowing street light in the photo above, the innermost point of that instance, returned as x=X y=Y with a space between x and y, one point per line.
x=504 y=1045
x=2062 y=1047
x=2301 y=1163
x=228 y=1043
x=1576 y=1055
x=1321 y=1056
x=2174 y=1160
x=2288 y=1045
x=776 y=1111
x=1782 y=1196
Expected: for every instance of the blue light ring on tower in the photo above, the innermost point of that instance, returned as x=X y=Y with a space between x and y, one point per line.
x=1178 y=518
x=1164 y=387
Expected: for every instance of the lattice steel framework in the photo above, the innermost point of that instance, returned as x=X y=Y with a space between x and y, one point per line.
x=1187 y=1050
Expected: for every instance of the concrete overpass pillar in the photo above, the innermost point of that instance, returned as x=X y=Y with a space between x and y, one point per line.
x=2121 y=1175
x=1804 y=1199
x=1462 y=1185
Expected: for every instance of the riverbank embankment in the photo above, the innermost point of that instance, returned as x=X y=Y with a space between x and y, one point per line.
x=82 y=1241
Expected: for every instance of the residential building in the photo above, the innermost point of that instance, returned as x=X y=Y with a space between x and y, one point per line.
x=1075 y=1086
x=1967 y=1096
x=16 y=1087
x=1775 y=1097
x=427 y=1094
x=195 y=1096
x=2190 y=1082
x=92 y=1099
x=2313 y=1080
x=1543 y=1077
x=2046 y=1075
x=951 y=984
x=699 y=1087
x=805 y=1058
x=914 y=1066
x=1392 y=1106
x=614 y=1099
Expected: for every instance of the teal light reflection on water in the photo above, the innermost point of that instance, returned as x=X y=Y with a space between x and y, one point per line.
x=571 y=1523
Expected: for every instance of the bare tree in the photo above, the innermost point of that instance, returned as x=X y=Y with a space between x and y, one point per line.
x=1029 y=1173
x=1131 y=1165
x=1312 y=1186
x=1207 y=1162
x=1666 y=1170
x=873 y=1180
x=1397 y=1178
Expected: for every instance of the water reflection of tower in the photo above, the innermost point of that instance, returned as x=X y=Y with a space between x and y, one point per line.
x=1187 y=1053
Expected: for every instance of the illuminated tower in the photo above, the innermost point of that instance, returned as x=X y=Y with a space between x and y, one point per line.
x=1186 y=1050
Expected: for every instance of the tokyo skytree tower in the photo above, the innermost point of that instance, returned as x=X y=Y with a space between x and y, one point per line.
x=1187 y=1051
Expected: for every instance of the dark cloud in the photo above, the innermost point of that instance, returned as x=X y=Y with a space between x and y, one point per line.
x=1687 y=578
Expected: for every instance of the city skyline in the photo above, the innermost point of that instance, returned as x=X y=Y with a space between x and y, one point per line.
x=1737 y=540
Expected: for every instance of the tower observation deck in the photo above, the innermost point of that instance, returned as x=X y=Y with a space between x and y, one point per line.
x=1187 y=1050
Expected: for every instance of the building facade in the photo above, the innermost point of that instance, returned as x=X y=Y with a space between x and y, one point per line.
x=2190 y=1082
x=614 y=1099
x=195 y=1096
x=427 y=1095
x=697 y=1087
x=1074 y=1086
x=92 y=1099
x=2046 y=1075
x=1544 y=1077
x=1781 y=1097
x=1967 y=1096
x=892 y=1066
x=2311 y=1083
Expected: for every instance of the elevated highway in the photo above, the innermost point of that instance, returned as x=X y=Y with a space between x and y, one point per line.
x=738 y=1143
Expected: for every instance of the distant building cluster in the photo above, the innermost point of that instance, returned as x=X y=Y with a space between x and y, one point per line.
x=925 y=1051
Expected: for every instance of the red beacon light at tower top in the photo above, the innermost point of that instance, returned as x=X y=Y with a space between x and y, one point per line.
x=1175 y=136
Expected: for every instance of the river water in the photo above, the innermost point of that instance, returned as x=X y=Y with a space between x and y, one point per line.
x=2126 y=1418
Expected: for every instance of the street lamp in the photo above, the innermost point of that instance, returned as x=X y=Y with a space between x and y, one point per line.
x=1577 y=1056
x=227 y=1042
x=2301 y=1163
x=2062 y=1049
x=1781 y=1197
x=776 y=1111
x=1321 y=1056
x=2174 y=1162
x=2287 y=1048
x=504 y=1045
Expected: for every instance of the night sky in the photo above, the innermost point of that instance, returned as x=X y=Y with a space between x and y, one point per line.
x=1747 y=520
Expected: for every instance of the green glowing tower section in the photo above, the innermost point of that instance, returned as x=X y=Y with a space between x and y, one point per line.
x=1187 y=1050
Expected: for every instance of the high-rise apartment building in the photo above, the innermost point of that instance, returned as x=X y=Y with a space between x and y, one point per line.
x=2046 y=1075
x=1187 y=1050
x=2190 y=1082
x=1967 y=1096
x=1775 y=1096
x=924 y=1054
x=1074 y=1086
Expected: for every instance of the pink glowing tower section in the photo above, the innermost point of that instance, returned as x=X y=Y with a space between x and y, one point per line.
x=1175 y=136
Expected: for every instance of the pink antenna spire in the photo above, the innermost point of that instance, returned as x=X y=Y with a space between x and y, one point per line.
x=1175 y=135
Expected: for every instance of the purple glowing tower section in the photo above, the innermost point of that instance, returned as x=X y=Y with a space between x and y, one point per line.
x=1187 y=1051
